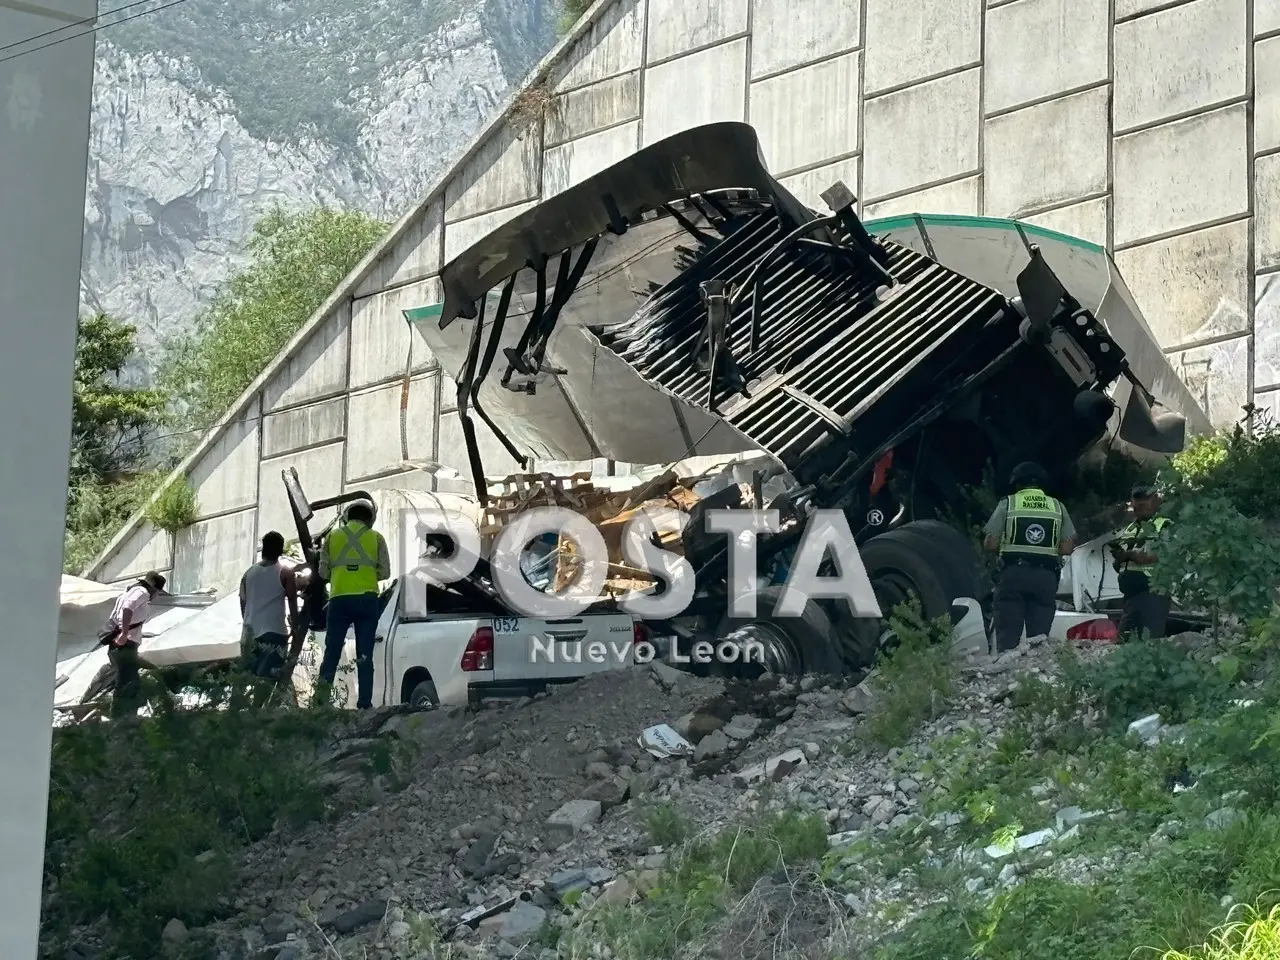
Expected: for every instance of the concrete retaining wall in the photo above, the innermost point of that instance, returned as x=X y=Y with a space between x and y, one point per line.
x=1150 y=126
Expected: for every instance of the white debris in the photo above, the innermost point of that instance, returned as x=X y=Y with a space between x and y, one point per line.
x=1147 y=729
x=1025 y=842
x=662 y=741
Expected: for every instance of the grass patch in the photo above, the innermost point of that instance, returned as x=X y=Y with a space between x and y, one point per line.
x=914 y=678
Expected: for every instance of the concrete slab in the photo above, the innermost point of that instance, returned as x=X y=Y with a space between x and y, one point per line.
x=1200 y=61
x=677 y=26
x=414 y=256
x=213 y=554
x=1127 y=9
x=1087 y=220
x=412 y=480
x=588 y=109
x=373 y=439
x=575 y=161
x=1266 y=94
x=910 y=41
x=1266 y=332
x=145 y=549
x=506 y=170
x=921 y=135
x=808 y=115
x=461 y=235
x=958 y=197
x=226 y=478
x=319 y=367
x=1072 y=50
x=703 y=87
x=613 y=45
x=807 y=187
x=790 y=33
x=1193 y=286
x=384 y=337
x=301 y=427
x=1181 y=175
x=1266 y=16
x=1266 y=198
x=1218 y=377
x=1025 y=150
x=320 y=473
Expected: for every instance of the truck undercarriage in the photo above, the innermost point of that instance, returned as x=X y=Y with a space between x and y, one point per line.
x=682 y=303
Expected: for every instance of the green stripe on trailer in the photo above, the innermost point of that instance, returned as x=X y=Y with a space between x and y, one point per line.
x=418 y=314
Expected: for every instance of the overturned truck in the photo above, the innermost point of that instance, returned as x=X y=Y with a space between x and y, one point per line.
x=682 y=303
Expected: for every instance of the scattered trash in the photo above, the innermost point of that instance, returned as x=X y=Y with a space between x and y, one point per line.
x=773 y=769
x=1068 y=817
x=1025 y=842
x=1147 y=729
x=663 y=742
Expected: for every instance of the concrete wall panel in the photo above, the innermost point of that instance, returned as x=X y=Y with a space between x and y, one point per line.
x=1267 y=210
x=958 y=197
x=300 y=427
x=453 y=452
x=1266 y=16
x=214 y=554
x=921 y=135
x=676 y=26
x=1071 y=50
x=226 y=478
x=506 y=170
x=1266 y=92
x=1178 y=60
x=318 y=369
x=789 y=33
x=907 y=42
x=575 y=161
x=414 y=256
x=1218 y=377
x=807 y=187
x=1266 y=327
x=703 y=87
x=1025 y=153
x=1128 y=9
x=412 y=480
x=1181 y=175
x=146 y=549
x=613 y=45
x=808 y=115
x=379 y=327
x=1087 y=220
x=1193 y=286
x=593 y=108
x=319 y=472
x=458 y=237
x=373 y=442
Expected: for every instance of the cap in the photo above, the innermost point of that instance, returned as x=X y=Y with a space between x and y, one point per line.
x=153 y=581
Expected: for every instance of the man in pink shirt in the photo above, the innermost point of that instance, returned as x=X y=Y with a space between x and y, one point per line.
x=123 y=635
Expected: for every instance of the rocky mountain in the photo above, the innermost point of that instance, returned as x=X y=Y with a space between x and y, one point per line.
x=208 y=112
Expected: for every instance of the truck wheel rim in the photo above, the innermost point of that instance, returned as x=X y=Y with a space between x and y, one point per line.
x=780 y=652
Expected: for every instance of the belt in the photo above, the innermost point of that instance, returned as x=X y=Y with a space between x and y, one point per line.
x=1036 y=563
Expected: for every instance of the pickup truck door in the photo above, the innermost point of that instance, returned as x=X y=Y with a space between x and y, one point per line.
x=530 y=649
x=383 y=678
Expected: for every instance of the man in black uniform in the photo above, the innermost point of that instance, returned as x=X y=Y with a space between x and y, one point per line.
x=1032 y=532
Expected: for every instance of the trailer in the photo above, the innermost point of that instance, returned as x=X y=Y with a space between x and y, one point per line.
x=683 y=303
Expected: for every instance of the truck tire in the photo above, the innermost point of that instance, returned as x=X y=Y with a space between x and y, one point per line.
x=809 y=643
x=964 y=546
x=424 y=696
x=952 y=559
x=900 y=569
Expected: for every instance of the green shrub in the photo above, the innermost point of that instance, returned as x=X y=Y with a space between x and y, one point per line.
x=915 y=677
x=174 y=508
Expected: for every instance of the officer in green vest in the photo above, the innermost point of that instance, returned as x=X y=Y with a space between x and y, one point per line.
x=1032 y=532
x=353 y=560
x=1144 y=610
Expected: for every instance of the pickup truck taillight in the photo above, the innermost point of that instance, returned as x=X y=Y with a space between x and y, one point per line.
x=639 y=634
x=479 y=652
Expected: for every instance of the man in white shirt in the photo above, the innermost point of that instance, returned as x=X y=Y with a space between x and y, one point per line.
x=122 y=637
x=269 y=590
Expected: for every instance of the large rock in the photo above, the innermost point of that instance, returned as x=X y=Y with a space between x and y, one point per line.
x=567 y=822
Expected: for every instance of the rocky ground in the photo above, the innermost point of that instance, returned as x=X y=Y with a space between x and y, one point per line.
x=483 y=826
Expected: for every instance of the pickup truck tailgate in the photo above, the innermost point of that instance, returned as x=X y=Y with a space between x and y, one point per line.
x=529 y=649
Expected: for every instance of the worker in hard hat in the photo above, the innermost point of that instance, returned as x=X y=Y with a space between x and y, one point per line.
x=1032 y=532
x=353 y=559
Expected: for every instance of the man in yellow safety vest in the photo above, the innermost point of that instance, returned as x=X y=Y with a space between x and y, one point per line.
x=353 y=560
x=1032 y=532
x=1144 y=610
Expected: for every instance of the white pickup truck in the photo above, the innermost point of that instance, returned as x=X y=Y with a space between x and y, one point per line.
x=464 y=644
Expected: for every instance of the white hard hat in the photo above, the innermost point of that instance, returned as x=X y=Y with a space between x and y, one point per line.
x=362 y=502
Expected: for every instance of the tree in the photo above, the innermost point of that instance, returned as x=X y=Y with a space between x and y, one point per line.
x=572 y=13
x=297 y=258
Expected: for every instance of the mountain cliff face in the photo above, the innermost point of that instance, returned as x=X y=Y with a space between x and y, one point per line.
x=206 y=114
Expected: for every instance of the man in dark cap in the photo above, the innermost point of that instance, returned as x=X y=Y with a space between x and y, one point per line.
x=1144 y=610
x=123 y=635
x=1032 y=532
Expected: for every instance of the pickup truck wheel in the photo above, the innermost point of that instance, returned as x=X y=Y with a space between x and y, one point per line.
x=424 y=696
x=793 y=646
